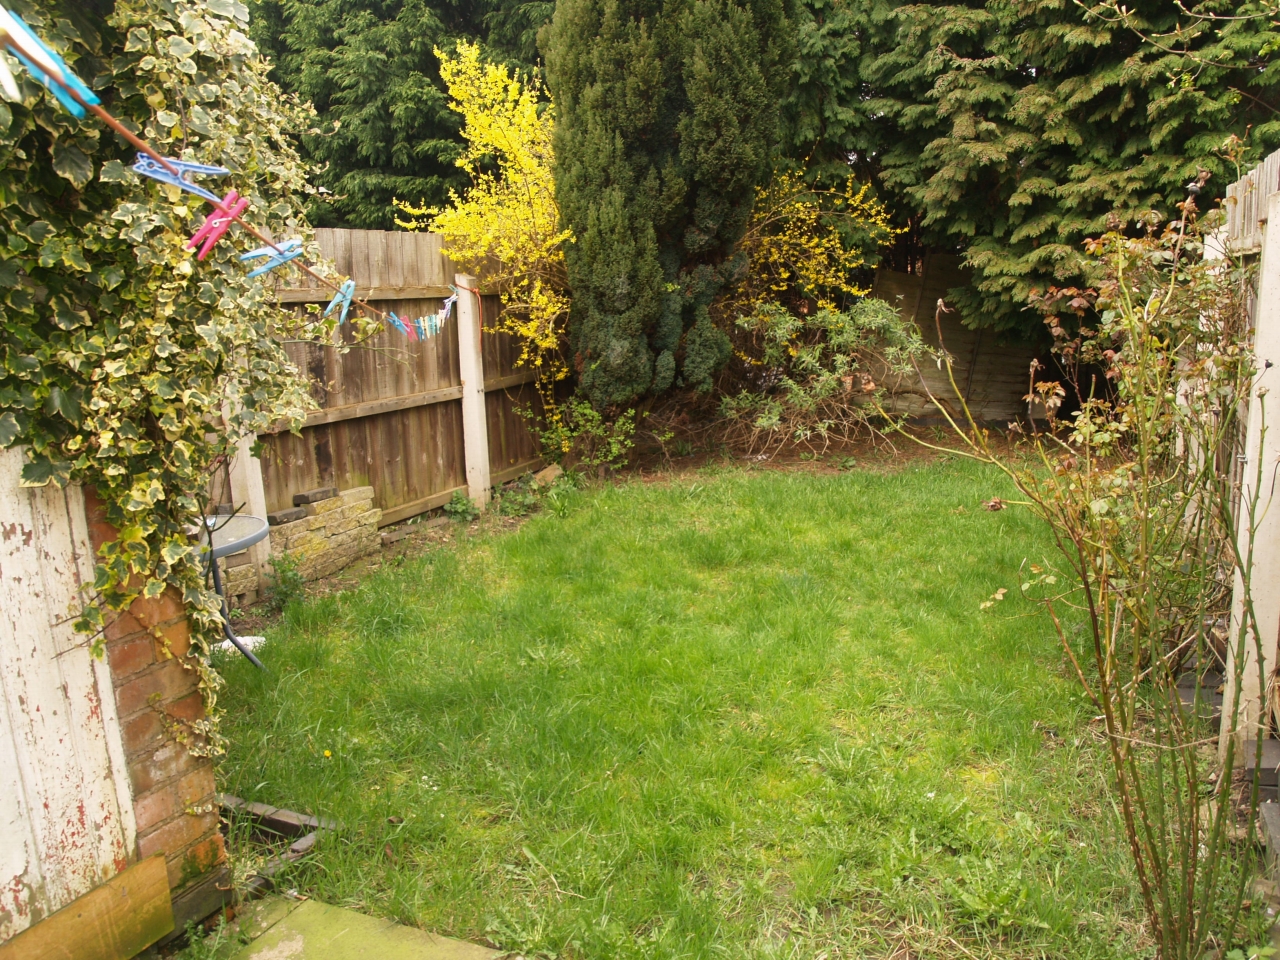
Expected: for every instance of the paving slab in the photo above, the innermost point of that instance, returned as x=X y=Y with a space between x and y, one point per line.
x=288 y=930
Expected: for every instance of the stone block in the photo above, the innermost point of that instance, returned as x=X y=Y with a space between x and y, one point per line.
x=341 y=526
x=356 y=494
x=281 y=517
x=318 y=495
x=325 y=506
x=548 y=475
x=370 y=517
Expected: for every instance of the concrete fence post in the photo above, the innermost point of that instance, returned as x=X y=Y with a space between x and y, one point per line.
x=475 y=432
x=250 y=495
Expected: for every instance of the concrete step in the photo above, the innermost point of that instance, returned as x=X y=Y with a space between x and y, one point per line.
x=1269 y=774
x=309 y=930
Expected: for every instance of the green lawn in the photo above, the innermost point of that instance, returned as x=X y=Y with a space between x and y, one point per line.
x=731 y=714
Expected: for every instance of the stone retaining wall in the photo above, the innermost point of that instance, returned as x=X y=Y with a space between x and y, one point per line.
x=327 y=530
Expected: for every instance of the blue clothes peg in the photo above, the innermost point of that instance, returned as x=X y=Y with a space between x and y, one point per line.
x=46 y=67
x=342 y=298
x=397 y=322
x=149 y=167
x=422 y=330
x=276 y=256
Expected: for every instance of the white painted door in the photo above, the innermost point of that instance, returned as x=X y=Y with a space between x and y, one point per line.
x=66 y=817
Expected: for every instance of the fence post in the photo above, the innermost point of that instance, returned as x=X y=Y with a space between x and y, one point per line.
x=1262 y=446
x=245 y=472
x=475 y=432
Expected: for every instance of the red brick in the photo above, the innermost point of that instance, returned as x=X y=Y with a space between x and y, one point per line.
x=121 y=626
x=150 y=770
x=190 y=707
x=164 y=608
x=95 y=513
x=191 y=865
x=152 y=808
x=176 y=835
x=178 y=637
x=197 y=787
x=142 y=732
x=159 y=684
x=130 y=656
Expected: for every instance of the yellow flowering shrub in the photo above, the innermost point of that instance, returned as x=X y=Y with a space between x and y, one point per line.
x=813 y=346
x=807 y=243
x=506 y=229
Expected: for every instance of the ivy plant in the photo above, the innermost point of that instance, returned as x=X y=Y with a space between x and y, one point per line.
x=126 y=364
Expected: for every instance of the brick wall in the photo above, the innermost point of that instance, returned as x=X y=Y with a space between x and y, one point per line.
x=149 y=651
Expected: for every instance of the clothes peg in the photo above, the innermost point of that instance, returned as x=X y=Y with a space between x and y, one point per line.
x=46 y=67
x=149 y=167
x=276 y=256
x=342 y=298
x=433 y=325
x=218 y=222
x=397 y=322
x=420 y=327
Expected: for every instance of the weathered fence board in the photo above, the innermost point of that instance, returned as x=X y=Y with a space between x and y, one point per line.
x=991 y=373
x=390 y=409
x=1246 y=206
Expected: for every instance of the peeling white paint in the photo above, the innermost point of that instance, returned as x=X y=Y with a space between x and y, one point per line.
x=66 y=814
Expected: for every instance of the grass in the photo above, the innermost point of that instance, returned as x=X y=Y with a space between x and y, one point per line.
x=737 y=714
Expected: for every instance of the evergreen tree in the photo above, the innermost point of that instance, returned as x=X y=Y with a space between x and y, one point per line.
x=385 y=129
x=667 y=122
x=1010 y=130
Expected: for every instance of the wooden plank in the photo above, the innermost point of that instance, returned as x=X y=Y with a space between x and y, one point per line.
x=519 y=470
x=114 y=921
x=373 y=407
x=385 y=292
x=418 y=506
x=513 y=380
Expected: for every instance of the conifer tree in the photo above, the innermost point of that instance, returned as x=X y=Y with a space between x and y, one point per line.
x=369 y=69
x=1010 y=130
x=667 y=122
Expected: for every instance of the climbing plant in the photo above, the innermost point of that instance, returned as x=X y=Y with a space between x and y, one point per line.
x=126 y=364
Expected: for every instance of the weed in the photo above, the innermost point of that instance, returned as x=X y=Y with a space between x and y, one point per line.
x=517 y=499
x=217 y=943
x=287 y=584
x=461 y=508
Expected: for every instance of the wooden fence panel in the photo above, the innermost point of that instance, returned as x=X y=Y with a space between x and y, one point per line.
x=992 y=375
x=390 y=410
x=509 y=389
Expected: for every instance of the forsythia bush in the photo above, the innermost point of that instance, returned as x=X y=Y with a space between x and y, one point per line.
x=806 y=242
x=812 y=346
x=506 y=228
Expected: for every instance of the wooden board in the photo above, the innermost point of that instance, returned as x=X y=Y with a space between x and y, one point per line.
x=114 y=921
x=66 y=809
x=991 y=371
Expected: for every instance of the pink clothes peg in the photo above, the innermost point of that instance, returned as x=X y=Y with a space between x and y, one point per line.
x=218 y=222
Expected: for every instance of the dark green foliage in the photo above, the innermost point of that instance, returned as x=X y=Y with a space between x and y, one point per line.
x=368 y=67
x=667 y=123
x=1010 y=130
